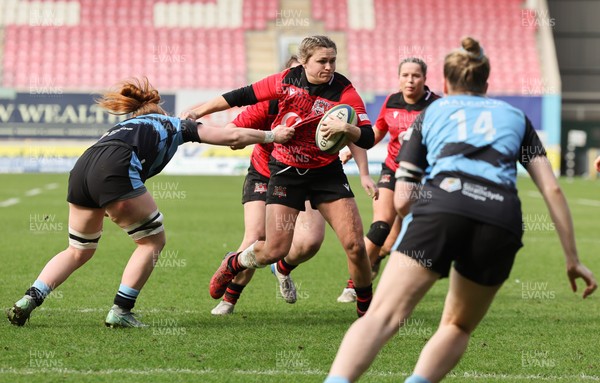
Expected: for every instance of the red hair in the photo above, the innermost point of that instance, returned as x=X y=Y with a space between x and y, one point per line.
x=134 y=96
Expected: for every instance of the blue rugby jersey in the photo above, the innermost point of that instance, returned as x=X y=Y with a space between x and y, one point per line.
x=154 y=138
x=468 y=147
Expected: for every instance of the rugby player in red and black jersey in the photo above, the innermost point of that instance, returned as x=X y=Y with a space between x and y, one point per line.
x=299 y=169
x=309 y=229
x=397 y=114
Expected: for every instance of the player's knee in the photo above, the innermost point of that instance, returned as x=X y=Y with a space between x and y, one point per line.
x=385 y=250
x=251 y=238
x=275 y=251
x=154 y=242
x=458 y=325
x=385 y=320
x=311 y=248
x=378 y=232
x=146 y=230
x=272 y=258
x=79 y=257
x=355 y=250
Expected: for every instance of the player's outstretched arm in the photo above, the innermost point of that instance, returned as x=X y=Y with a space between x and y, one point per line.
x=543 y=176
x=282 y=133
x=217 y=104
x=231 y=136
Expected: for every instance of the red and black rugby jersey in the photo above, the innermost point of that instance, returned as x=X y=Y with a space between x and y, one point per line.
x=259 y=116
x=396 y=116
x=301 y=104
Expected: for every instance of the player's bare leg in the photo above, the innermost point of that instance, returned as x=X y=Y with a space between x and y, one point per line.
x=140 y=218
x=254 y=230
x=386 y=249
x=466 y=304
x=403 y=283
x=383 y=218
x=344 y=218
x=280 y=223
x=309 y=234
x=58 y=269
x=86 y=224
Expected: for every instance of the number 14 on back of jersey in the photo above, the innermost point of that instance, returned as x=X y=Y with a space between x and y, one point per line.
x=484 y=125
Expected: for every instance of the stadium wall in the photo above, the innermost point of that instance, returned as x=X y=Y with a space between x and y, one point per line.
x=47 y=132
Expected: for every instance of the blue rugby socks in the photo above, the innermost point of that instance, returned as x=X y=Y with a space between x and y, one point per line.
x=336 y=379
x=38 y=291
x=416 y=379
x=126 y=297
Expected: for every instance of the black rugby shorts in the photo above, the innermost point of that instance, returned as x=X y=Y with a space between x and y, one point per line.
x=255 y=186
x=481 y=252
x=291 y=186
x=104 y=174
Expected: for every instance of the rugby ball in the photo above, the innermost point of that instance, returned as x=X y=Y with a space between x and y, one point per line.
x=337 y=141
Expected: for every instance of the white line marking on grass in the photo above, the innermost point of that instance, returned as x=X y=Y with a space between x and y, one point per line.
x=185 y=371
x=28 y=193
x=103 y=309
x=527 y=378
x=588 y=202
x=32 y=192
x=10 y=202
x=533 y=194
x=532 y=238
x=579 y=201
x=51 y=186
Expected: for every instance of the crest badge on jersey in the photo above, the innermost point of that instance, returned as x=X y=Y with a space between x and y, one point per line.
x=260 y=187
x=320 y=106
x=451 y=184
x=280 y=191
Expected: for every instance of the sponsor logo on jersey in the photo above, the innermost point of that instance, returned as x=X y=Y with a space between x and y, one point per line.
x=363 y=117
x=290 y=119
x=280 y=191
x=450 y=184
x=481 y=193
x=260 y=187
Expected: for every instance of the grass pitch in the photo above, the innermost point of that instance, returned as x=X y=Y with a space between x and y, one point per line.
x=536 y=330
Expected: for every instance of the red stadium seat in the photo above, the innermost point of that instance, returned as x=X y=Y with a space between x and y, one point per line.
x=429 y=29
x=118 y=38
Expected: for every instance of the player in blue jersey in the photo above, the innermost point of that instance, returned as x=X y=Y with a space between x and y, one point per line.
x=108 y=179
x=458 y=169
